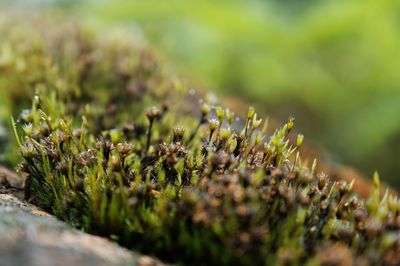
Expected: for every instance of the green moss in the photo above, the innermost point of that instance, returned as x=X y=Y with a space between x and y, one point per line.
x=116 y=146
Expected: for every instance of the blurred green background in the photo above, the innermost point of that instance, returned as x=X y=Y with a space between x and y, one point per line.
x=334 y=64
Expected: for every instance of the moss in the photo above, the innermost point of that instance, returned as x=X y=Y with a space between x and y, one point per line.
x=115 y=146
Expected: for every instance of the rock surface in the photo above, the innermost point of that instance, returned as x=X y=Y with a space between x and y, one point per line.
x=31 y=237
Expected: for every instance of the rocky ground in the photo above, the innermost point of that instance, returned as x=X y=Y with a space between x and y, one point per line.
x=29 y=236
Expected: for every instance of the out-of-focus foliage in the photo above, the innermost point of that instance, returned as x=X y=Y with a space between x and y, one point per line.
x=335 y=64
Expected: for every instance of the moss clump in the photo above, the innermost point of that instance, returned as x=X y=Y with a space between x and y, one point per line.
x=114 y=146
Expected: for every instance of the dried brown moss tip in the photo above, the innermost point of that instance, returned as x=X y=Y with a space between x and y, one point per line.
x=153 y=114
x=179 y=131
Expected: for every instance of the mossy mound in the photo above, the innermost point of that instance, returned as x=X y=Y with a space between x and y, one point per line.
x=116 y=146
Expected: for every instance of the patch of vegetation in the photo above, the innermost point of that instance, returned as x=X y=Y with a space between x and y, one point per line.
x=115 y=146
x=290 y=57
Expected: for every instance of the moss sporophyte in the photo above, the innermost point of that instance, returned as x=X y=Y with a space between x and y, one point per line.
x=112 y=145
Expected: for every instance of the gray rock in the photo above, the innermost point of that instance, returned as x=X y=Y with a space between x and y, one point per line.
x=30 y=237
